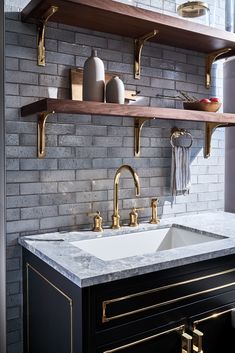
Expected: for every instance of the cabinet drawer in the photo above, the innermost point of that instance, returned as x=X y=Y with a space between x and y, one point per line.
x=122 y=304
x=167 y=340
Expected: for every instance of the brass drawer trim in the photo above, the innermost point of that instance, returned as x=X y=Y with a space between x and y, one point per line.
x=212 y=316
x=28 y=266
x=180 y=329
x=105 y=303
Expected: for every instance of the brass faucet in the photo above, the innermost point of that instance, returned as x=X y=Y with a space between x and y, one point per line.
x=115 y=216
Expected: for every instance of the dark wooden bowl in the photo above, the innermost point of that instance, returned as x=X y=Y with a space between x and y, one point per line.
x=206 y=107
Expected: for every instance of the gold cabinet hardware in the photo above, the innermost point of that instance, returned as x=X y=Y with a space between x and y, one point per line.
x=197 y=341
x=97 y=221
x=41 y=34
x=139 y=122
x=186 y=343
x=134 y=216
x=41 y=132
x=138 y=46
x=210 y=59
x=154 y=219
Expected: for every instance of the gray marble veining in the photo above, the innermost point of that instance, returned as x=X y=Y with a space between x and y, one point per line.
x=58 y=251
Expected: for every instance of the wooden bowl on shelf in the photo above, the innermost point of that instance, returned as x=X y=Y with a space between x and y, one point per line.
x=206 y=107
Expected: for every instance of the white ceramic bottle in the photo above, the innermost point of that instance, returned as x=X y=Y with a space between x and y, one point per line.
x=93 y=79
x=115 y=91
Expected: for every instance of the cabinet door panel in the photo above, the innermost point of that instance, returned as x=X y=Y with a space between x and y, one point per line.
x=218 y=333
x=49 y=316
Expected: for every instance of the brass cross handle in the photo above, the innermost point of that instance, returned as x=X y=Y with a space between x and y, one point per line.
x=97 y=221
x=134 y=216
x=154 y=218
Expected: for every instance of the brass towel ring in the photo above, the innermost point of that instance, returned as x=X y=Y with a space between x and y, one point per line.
x=176 y=133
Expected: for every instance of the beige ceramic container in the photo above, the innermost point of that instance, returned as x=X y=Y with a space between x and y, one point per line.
x=115 y=91
x=93 y=79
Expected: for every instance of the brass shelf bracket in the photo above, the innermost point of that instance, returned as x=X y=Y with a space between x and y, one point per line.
x=210 y=59
x=138 y=46
x=209 y=129
x=139 y=122
x=41 y=34
x=41 y=133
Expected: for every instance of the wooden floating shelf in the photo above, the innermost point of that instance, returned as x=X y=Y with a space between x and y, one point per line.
x=67 y=106
x=106 y=16
x=48 y=106
x=137 y=23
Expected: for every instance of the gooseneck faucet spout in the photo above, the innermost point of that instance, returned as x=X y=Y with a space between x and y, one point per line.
x=115 y=216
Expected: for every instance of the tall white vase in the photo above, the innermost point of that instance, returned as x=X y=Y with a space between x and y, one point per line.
x=93 y=79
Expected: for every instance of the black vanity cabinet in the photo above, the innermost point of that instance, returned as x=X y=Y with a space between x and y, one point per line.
x=169 y=311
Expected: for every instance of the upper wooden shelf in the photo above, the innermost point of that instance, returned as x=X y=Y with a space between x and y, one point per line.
x=68 y=106
x=129 y=21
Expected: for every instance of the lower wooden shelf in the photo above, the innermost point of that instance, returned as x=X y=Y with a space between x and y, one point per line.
x=48 y=106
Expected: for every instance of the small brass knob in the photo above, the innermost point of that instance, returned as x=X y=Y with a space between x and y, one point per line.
x=97 y=221
x=134 y=216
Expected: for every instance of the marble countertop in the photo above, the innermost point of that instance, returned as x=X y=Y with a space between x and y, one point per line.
x=58 y=251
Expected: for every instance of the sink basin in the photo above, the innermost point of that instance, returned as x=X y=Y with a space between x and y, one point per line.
x=140 y=243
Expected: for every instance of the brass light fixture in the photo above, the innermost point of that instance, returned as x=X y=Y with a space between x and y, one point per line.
x=191 y=9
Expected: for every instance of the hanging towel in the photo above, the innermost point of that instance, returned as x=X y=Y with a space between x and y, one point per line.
x=180 y=170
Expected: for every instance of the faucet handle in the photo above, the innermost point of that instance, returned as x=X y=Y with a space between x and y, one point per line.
x=97 y=221
x=154 y=202
x=154 y=218
x=134 y=216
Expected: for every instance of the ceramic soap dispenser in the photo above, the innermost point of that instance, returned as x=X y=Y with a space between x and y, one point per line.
x=93 y=79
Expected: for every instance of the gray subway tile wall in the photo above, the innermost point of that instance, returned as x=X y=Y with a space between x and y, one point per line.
x=83 y=152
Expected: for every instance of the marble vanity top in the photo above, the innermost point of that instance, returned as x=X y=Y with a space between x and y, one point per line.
x=58 y=251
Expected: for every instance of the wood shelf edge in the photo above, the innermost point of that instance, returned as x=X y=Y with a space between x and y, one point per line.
x=67 y=106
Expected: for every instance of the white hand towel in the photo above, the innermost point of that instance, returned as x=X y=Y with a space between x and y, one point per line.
x=180 y=170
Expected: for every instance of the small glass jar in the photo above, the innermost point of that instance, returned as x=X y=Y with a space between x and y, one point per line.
x=195 y=11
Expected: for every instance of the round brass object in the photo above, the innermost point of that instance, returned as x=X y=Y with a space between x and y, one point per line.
x=191 y=9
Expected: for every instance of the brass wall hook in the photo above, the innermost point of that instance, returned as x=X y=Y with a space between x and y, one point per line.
x=138 y=46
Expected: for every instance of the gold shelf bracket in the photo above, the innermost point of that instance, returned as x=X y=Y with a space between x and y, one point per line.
x=138 y=46
x=210 y=59
x=41 y=34
x=209 y=129
x=41 y=133
x=139 y=122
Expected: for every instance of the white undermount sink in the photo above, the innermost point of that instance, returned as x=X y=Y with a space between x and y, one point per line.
x=140 y=243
